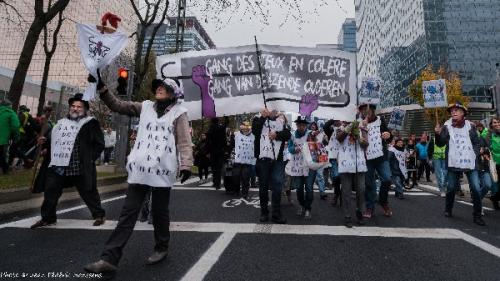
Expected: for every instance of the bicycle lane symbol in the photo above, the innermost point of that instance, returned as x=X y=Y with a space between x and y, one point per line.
x=253 y=202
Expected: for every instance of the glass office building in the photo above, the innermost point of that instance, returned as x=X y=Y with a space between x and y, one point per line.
x=396 y=39
x=195 y=37
x=347 y=35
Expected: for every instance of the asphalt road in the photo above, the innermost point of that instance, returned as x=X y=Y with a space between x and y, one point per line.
x=218 y=237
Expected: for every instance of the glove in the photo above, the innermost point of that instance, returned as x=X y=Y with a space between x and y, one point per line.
x=100 y=83
x=185 y=174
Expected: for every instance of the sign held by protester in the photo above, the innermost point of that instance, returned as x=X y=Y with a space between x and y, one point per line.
x=370 y=91
x=434 y=93
x=397 y=119
x=226 y=81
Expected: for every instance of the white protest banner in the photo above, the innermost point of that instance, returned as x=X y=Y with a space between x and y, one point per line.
x=226 y=81
x=370 y=91
x=434 y=93
x=397 y=119
x=98 y=50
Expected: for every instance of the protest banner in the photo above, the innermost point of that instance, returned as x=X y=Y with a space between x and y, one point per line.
x=434 y=93
x=370 y=91
x=227 y=81
x=397 y=119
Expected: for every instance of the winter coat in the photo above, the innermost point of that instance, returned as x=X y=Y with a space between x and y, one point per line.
x=283 y=136
x=9 y=124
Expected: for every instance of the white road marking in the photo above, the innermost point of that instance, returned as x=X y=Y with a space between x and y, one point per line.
x=188 y=181
x=201 y=268
x=470 y=204
x=235 y=228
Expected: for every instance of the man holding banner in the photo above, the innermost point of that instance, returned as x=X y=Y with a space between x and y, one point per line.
x=271 y=135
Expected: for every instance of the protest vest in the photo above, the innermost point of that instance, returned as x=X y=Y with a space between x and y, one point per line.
x=333 y=145
x=461 y=154
x=153 y=159
x=266 y=146
x=401 y=156
x=243 y=148
x=62 y=140
x=296 y=166
x=349 y=155
x=375 y=148
x=495 y=147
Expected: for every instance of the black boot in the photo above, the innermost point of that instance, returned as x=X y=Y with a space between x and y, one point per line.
x=277 y=217
x=264 y=215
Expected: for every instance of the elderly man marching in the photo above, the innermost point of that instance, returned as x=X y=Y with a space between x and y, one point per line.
x=163 y=136
x=462 y=156
x=72 y=146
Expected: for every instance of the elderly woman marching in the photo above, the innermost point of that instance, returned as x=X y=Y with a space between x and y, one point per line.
x=163 y=136
x=462 y=156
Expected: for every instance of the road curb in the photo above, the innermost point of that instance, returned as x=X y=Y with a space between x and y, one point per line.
x=23 y=193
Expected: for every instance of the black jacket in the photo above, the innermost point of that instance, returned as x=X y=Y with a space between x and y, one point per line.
x=91 y=140
x=283 y=136
x=444 y=139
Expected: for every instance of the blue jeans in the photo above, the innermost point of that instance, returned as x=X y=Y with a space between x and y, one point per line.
x=485 y=182
x=398 y=182
x=305 y=183
x=474 y=186
x=271 y=175
x=384 y=172
x=441 y=174
x=320 y=179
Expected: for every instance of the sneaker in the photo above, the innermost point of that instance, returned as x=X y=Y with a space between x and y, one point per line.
x=348 y=222
x=368 y=213
x=443 y=194
x=387 y=210
x=41 y=223
x=99 y=221
x=156 y=257
x=479 y=221
x=301 y=211
x=101 y=267
x=307 y=215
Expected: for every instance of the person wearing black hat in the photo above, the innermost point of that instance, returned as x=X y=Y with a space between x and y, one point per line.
x=162 y=149
x=72 y=147
x=376 y=160
x=462 y=155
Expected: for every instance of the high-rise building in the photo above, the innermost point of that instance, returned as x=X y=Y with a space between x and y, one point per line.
x=66 y=65
x=195 y=37
x=347 y=35
x=396 y=39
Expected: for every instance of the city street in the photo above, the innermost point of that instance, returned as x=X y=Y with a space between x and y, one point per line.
x=218 y=237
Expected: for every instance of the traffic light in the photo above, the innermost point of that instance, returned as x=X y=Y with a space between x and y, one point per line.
x=122 y=81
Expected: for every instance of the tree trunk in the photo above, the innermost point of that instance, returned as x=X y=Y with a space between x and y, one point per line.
x=43 y=86
x=137 y=64
x=16 y=87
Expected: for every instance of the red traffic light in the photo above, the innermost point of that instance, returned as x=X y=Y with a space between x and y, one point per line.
x=123 y=73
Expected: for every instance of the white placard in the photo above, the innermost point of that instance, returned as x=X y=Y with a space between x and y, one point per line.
x=434 y=93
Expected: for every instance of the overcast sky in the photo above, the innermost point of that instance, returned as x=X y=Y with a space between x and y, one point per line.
x=322 y=25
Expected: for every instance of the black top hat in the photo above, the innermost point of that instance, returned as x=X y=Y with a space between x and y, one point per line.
x=301 y=120
x=78 y=97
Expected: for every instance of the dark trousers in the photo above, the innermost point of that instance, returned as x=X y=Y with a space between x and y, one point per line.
x=136 y=194
x=203 y=171
x=54 y=185
x=107 y=154
x=4 y=162
x=271 y=174
x=241 y=176
x=424 y=165
x=217 y=162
